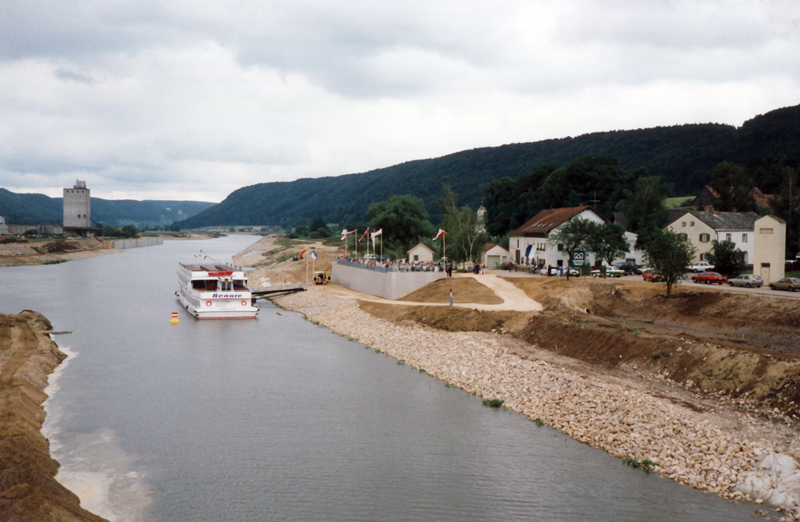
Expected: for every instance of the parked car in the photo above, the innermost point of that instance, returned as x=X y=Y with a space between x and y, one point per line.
x=610 y=272
x=654 y=276
x=627 y=268
x=574 y=272
x=748 y=280
x=709 y=278
x=787 y=283
x=700 y=266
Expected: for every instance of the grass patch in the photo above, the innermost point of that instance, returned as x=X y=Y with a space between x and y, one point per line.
x=539 y=423
x=646 y=465
x=493 y=403
x=658 y=355
x=54 y=262
x=422 y=370
x=400 y=363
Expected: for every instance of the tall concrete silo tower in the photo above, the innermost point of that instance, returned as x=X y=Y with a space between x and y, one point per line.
x=77 y=210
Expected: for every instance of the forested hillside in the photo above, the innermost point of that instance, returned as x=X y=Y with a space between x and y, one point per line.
x=683 y=156
x=38 y=208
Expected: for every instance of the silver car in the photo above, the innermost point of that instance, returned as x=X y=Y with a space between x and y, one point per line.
x=747 y=280
x=787 y=283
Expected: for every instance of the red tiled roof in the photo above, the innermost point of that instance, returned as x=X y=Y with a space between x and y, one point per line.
x=546 y=220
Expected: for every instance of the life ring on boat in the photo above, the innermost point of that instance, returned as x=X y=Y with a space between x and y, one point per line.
x=208 y=303
x=244 y=303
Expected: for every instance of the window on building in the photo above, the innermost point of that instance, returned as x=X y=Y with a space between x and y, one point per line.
x=683 y=236
x=683 y=224
x=705 y=238
x=765 y=231
x=560 y=248
x=744 y=238
x=702 y=257
x=727 y=237
x=517 y=243
x=691 y=223
x=416 y=257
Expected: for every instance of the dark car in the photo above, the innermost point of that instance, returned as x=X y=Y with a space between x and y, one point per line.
x=627 y=268
x=787 y=283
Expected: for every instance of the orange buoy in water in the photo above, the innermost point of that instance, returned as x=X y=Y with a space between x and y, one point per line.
x=174 y=318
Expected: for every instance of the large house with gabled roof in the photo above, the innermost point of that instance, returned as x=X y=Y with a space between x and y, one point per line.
x=530 y=244
x=701 y=228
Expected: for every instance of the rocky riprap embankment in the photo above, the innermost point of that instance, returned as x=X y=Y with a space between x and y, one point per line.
x=626 y=422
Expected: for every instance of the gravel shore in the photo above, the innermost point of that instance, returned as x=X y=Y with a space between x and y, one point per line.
x=625 y=421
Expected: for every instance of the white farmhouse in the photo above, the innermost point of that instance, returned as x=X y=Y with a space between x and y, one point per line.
x=535 y=232
x=700 y=228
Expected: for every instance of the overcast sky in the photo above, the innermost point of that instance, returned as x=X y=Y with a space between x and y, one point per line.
x=192 y=99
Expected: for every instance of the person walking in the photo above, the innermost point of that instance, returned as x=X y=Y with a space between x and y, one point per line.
x=451 y=297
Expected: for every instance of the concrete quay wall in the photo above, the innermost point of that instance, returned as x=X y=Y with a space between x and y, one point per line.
x=123 y=244
x=389 y=285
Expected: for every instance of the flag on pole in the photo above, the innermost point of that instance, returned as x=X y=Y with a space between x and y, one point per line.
x=528 y=251
x=366 y=232
x=440 y=234
x=314 y=254
x=345 y=233
x=373 y=236
x=301 y=253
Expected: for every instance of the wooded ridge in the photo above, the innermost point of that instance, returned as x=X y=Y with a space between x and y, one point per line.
x=682 y=155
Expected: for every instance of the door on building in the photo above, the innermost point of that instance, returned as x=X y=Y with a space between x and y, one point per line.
x=765 y=273
x=517 y=262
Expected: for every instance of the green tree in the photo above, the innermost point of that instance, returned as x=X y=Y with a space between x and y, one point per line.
x=403 y=219
x=464 y=235
x=645 y=203
x=733 y=187
x=607 y=242
x=787 y=206
x=670 y=253
x=726 y=258
x=573 y=234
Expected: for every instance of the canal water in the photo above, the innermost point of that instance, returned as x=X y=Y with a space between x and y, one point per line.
x=279 y=419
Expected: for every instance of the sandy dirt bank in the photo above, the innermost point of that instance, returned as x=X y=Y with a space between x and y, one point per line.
x=28 y=488
x=57 y=251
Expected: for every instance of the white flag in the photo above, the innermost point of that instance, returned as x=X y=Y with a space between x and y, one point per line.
x=440 y=234
x=376 y=233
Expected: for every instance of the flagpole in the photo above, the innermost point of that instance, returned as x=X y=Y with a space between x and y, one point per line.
x=355 y=240
x=307 y=270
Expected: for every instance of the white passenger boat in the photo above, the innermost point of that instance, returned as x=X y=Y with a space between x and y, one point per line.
x=215 y=291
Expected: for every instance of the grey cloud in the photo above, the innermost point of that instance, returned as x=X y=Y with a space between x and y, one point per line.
x=66 y=74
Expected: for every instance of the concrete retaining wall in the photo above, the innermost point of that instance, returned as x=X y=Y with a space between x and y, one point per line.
x=122 y=244
x=389 y=285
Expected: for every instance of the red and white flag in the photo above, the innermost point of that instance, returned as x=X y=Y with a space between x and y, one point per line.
x=365 y=234
x=376 y=233
x=440 y=234
x=345 y=233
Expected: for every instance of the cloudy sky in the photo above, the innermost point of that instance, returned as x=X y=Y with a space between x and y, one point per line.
x=180 y=99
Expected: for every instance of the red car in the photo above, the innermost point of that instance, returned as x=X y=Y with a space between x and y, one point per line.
x=654 y=276
x=709 y=278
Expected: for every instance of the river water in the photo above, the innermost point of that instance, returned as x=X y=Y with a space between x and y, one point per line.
x=278 y=419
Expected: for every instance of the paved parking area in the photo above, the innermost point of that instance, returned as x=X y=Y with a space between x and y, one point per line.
x=764 y=290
